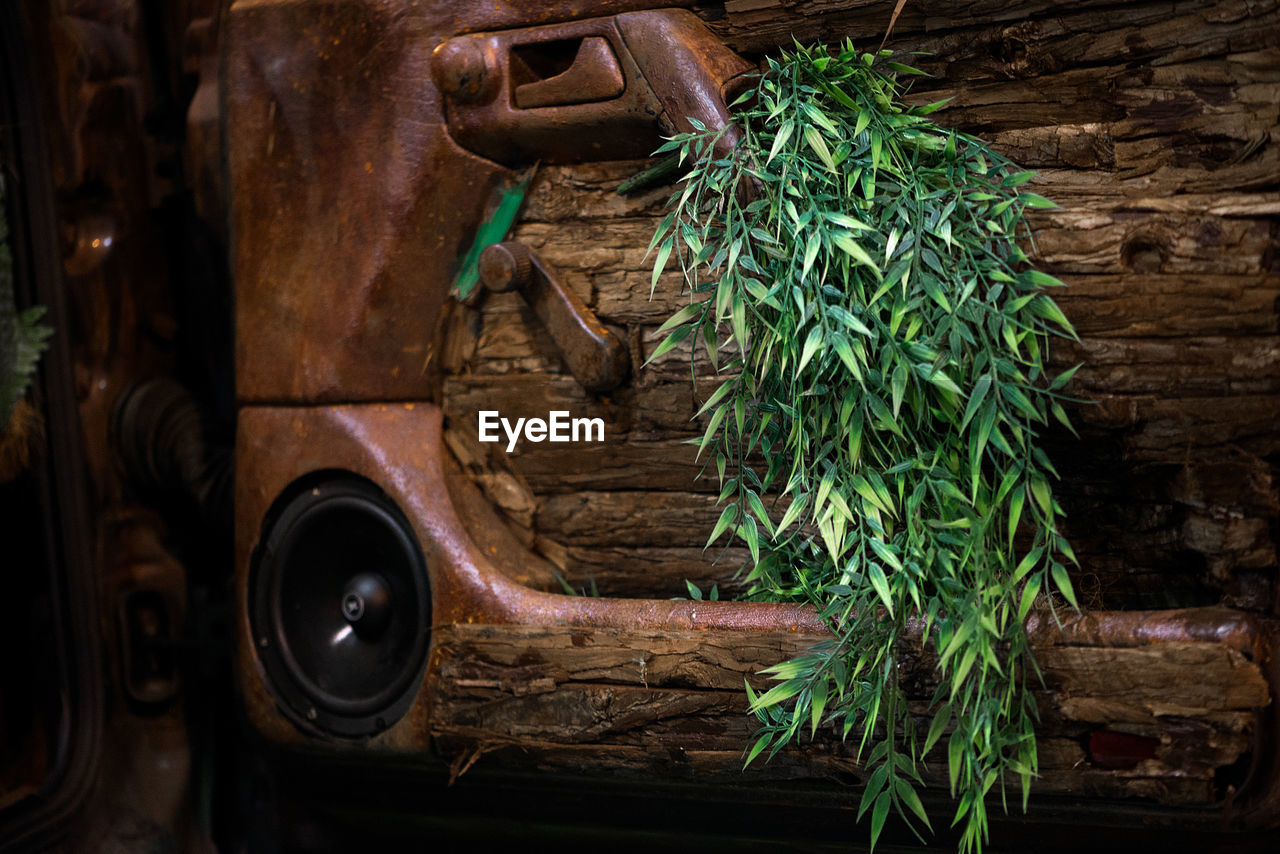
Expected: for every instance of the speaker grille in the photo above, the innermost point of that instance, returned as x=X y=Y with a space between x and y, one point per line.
x=340 y=607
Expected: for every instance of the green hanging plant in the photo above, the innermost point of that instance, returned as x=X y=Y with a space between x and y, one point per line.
x=855 y=274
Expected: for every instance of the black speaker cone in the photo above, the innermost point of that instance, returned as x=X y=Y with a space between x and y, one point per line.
x=341 y=607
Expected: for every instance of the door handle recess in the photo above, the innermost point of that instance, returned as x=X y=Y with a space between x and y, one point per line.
x=593 y=76
x=596 y=357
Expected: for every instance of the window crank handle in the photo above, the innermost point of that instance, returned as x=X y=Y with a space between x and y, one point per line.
x=596 y=357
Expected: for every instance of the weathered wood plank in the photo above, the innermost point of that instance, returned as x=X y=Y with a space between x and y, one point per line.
x=719 y=660
x=988 y=39
x=1193 y=366
x=588 y=518
x=649 y=571
x=657 y=464
x=1162 y=426
x=1160 y=306
x=616 y=699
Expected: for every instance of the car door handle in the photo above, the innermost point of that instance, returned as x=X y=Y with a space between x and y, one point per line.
x=595 y=89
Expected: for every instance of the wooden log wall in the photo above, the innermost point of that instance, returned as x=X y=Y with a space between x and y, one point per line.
x=1153 y=124
x=671 y=704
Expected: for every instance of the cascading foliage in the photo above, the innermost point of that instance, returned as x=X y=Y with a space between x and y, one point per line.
x=856 y=276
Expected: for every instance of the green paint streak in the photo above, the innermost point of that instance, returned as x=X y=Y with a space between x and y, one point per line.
x=492 y=230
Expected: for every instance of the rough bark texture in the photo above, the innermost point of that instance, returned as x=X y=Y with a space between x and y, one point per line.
x=1156 y=126
x=672 y=703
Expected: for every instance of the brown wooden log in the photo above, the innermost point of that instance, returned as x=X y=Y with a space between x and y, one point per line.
x=672 y=703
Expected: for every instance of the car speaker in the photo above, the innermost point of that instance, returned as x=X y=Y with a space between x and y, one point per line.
x=340 y=605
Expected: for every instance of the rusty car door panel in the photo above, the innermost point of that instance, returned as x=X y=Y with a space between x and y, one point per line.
x=366 y=141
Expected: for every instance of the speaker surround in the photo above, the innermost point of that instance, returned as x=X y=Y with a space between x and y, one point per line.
x=340 y=607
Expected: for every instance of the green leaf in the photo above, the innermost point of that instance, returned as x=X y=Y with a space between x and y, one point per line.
x=750 y=534
x=778 y=694
x=878 y=815
x=818 y=118
x=940 y=379
x=979 y=394
x=761 y=743
x=811 y=253
x=1063 y=378
x=908 y=796
x=669 y=343
x=940 y=720
x=932 y=107
x=885 y=553
x=811 y=345
x=845 y=351
x=818 y=704
x=875 y=785
x=961 y=672
x=726 y=519
x=881 y=585
x=1041 y=280
x=1028 y=598
x=793 y=513
x=716 y=396
x=1040 y=492
x=1029 y=560
x=660 y=261
x=867 y=491
x=1015 y=512
x=962 y=634
x=907 y=69
x=784 y=134
x=955 y=759
x=842 y=316
x=899 y=387
x=1063 y=583
x=847 y=244
x=845 y=221
x=860 y=125
x=712 y=427
x=738 y=317
x=681 y=317
x=819 y=146
x=1035 y=200
x=1061 y=414
x=1044 y=307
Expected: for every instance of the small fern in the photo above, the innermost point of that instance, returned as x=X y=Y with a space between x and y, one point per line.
x=22 y=337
